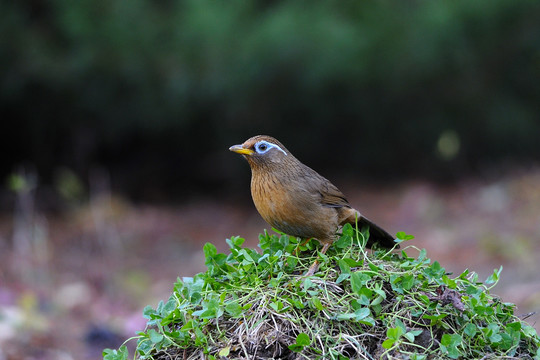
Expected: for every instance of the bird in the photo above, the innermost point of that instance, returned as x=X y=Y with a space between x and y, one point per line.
x=296 y=200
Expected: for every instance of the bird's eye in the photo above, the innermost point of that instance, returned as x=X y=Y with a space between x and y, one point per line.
x=262 y=147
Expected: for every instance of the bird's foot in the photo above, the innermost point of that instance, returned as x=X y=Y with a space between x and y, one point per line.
x=315 y=266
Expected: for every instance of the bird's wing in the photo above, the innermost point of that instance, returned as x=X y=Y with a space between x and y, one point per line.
x=329 y=195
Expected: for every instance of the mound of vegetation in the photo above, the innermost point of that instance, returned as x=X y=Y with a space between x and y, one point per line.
x=359 y=305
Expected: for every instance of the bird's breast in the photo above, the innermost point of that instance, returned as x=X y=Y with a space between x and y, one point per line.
x=288 y=206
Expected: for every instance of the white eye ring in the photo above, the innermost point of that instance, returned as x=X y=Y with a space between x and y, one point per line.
x=263 y=147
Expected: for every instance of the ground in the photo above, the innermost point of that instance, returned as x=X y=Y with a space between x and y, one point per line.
x=81 y=281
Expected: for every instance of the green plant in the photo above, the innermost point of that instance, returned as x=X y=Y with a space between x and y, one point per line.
x=257 y=305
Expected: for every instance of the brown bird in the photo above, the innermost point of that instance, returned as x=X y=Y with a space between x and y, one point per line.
x=296 y=200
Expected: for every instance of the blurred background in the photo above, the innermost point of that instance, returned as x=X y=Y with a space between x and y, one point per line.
x=117 y=116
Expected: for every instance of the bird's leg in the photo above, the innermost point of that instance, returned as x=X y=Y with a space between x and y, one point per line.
x=315 y=266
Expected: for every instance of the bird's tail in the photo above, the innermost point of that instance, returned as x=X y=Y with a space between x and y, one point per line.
x=377 y=235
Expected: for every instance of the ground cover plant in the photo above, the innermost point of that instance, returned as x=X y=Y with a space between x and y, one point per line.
x=360 y=305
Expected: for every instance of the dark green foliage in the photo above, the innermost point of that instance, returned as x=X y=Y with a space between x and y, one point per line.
x=359 y=305
x=147 y=80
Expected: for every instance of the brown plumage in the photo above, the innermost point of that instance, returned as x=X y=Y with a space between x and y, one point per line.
x=296 y=200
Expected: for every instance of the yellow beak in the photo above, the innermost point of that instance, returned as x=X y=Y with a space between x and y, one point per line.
x=239 y=149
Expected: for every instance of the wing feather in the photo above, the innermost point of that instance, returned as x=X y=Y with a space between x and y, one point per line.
x=329 y=194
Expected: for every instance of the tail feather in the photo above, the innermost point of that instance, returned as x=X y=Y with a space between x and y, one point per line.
x=377 y=235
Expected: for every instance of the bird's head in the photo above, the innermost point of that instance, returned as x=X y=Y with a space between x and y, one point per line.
x=262 y=151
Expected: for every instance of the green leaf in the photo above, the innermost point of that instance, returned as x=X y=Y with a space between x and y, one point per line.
x=353 y=263
x=470 y=330
x=247 y=257
x=494 y=278
x=365 y=296
x=348 y=230
x=276 y=305
x=388 y=343
x=154 y=336
x=343 y=242
x=404 y=236
x=448 y=281
x=449 y=344
x=400 y=324
x=235 y=242
x=169 y=307
x=343 y=266
x=473 y=290
x=264 y=257
x=395 y=333
x=145 y=346
x=233 y=309
x=435 y=319
x=529 y=331
x=342 y=277
x=411 y=335
x=507 y=341
x=210 y=310
x=308 y=284
x=317 y=303
x=515 y=326
x=374 y=268
x=302 y=340
x=195 y=298
x=149 y=313
x=120 y=354
x=291 y=263
x=408 y=282
x=381 y=296
x=362 y=313
x=225 y=351
x=346 y=316
x=421 y=256
x=209 y=250
x=495 y=338
x=187 y=326
x=358 y=280
x=367 y=321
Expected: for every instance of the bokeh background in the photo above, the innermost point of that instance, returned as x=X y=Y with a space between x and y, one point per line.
x=117 y=116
